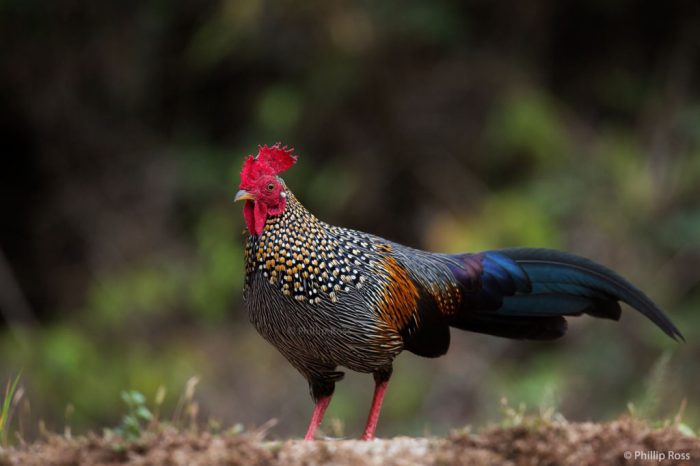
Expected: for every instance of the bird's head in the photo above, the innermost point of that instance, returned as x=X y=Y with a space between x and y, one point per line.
x=261 y=188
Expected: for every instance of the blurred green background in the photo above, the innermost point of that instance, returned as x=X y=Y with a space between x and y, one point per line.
x=447 y=125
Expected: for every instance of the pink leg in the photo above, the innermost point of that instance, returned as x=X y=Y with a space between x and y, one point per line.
x=371 y=426
x=317 y=416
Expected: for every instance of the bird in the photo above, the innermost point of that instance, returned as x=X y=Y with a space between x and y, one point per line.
x=328 y=297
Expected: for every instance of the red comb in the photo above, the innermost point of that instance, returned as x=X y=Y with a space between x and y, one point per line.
x=277 y=157
x=271 y=160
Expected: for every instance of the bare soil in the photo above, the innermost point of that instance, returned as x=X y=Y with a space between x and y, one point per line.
x=534 y=444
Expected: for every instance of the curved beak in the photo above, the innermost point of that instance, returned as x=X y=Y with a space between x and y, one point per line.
x=243 y=195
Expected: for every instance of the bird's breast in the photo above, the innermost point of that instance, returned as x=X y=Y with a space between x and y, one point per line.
x=345 y=332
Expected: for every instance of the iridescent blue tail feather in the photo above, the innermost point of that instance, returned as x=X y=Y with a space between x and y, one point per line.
x=526 y=293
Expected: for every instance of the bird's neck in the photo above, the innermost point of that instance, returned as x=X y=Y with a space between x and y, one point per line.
x=305 y=258
x=291 y=233
x=293 y=218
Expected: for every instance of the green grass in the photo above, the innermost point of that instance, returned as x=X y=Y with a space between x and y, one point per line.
x=7 y=408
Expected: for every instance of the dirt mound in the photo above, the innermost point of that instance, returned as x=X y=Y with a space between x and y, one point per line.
x=625 y=441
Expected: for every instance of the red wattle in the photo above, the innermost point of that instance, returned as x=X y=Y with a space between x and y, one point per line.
x=256 y=213
x=260 y=217
x=249 y=215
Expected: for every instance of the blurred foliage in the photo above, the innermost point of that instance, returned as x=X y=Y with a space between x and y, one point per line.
x=446 y=125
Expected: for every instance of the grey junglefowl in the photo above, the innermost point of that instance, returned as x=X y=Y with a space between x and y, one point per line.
x=327 y=296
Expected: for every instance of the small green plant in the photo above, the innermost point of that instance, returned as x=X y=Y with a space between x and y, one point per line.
x=512 y=417
x=8 y=403
x=682 y=427
x=656 y=387
x=137 y=418
x=520 y=417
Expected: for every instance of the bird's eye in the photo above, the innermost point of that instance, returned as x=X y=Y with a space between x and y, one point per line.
x=270 y=187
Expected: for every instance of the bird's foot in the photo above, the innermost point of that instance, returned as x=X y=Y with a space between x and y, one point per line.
x=317 y=417
x=379 y=390
x=367 y=436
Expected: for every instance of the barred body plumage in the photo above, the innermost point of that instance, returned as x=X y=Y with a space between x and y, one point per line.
x=324 y=296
